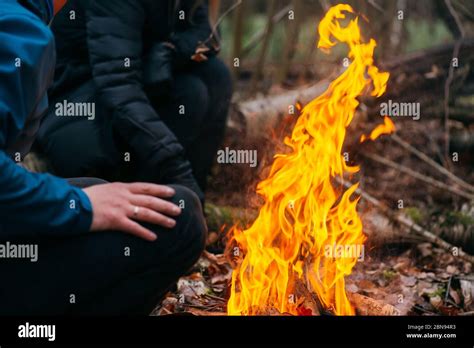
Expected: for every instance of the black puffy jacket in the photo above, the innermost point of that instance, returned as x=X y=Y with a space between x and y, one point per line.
x=96 y=38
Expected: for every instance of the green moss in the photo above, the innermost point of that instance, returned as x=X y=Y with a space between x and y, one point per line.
x=224 y=217
x=453 y=218
x=415 y=214
x=423 y=34
x=389 y=274
x=441 y=292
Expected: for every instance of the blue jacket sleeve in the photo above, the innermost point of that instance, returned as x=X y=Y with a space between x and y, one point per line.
x=31 y=204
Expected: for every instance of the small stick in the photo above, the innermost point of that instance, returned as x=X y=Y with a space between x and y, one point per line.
x=216 y=298
x=419 y=176
x=450 y=78
x=432 y=163
x=448 y=287
x=255 y=40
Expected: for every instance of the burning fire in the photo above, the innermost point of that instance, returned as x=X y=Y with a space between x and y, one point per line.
x=386 y=128
x=304 y=213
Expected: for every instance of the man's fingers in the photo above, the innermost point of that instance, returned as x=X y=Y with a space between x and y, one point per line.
x=156 y=204
x=152 y=217
x=203 y=57
x=136 y=229
x=202 y=49
x=152 y=189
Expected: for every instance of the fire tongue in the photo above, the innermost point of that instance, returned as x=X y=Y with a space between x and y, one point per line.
x=308 y=230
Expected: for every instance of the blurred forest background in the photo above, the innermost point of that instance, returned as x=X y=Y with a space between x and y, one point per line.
x=270 y=46
x=266 y=41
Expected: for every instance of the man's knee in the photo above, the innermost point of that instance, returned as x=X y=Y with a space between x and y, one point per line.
x=218 y=80
x=221 y=72
x=79 y=149
x=191 y=92
x=192 y=227
x=216 y=72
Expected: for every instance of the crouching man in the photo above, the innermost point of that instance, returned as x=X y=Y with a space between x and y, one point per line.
x=103 y=248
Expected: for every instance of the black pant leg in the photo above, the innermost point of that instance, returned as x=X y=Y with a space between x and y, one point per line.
x=218 y=81
x=196 y=112
x=80 y=146
x=104 y=273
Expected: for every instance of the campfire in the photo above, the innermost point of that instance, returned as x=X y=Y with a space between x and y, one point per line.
x=308 y=235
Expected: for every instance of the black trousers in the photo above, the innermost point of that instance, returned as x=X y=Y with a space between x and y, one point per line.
x=78 y=147
x=103 y=273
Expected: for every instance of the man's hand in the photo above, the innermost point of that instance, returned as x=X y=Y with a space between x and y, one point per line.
x=200 y=54
x=120 y=206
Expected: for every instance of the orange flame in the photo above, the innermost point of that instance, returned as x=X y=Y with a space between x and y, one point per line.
x=386 y=128
x=304 y=215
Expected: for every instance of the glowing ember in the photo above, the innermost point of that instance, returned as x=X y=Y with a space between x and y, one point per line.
x=386 y=128
x=305 y=218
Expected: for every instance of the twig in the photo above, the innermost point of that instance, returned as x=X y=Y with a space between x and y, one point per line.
x=214 y=33
x=216 y=298
x=238 y=34
x=407 y=222
x=432 y=163
x=450 y=78
x=199 y=312
x=253 y=42
x=448 y=287
x=258 y=73
x=419 y=176
x=418 y=307
x=467 y=313
x=376 y=6
x=326 y=5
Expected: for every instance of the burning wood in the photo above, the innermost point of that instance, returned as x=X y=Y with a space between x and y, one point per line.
x=304 y=211
x=367 y=306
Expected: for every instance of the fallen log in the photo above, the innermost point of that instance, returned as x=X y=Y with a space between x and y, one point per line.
x=257 y=115
x=417 y=76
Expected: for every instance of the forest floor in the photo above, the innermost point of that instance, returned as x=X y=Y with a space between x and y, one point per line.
x=399 y=268
x=422 y=280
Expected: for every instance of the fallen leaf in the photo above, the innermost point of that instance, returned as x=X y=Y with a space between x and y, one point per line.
x=455 y=296
x=408 y=281
x=452 y=269
x=467 y=290
x=425 y=249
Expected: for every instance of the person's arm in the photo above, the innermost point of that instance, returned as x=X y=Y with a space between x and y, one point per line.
x=31 y=204
x=114 y=38
x=35 y=205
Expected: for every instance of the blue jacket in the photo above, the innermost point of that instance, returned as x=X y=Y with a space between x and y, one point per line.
x=31 y=205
